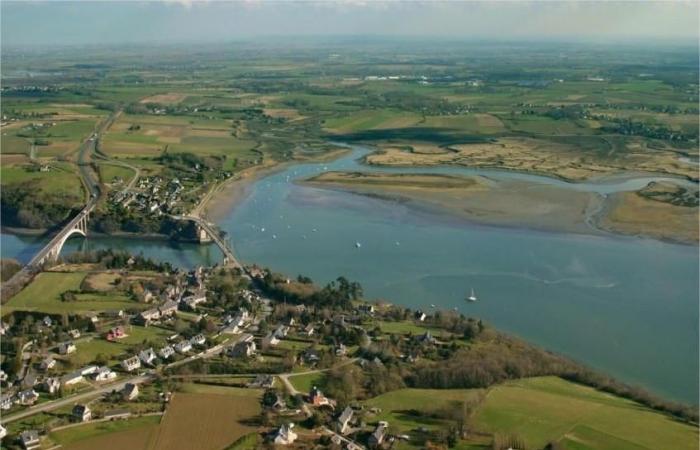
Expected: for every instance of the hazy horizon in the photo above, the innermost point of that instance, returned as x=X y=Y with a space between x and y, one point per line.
x=40 y=24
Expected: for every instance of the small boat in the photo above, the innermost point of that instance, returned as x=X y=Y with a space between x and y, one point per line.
x=274 y=236
x=472 y=296
x=358 y=245
x=432 y=305
x=262 y=229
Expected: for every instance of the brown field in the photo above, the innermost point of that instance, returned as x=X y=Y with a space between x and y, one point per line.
x=631 y=213
x=101 y=281
x=209 y=132
x=56 y=149
x=532 y=155
x=131 y=149
x=9 y=159
x=165 y=99
x=283 y=113
x=165 y=131
x=489 y=121
x=206 y=421
x=140 y=438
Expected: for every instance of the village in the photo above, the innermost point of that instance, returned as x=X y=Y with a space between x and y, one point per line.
x=193 y=329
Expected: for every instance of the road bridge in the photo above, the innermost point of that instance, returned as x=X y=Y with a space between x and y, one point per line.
x=206 y=231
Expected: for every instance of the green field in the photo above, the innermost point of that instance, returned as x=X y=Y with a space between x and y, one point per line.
x=78 y=433
x=108 y=172
x=546 y=409
x=376 y=119
x=61 y=178
x=543 y=410
x=44 y=294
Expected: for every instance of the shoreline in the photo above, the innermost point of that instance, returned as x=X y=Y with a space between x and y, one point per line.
x=230 y=193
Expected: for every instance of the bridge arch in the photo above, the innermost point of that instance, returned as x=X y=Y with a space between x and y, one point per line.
x=59 y=246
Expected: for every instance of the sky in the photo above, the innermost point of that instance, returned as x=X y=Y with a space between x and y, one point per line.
x=56 y=22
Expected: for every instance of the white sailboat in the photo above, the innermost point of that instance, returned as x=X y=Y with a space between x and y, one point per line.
x=472 y=296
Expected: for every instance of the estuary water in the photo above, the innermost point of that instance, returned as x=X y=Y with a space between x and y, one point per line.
x=626 y=306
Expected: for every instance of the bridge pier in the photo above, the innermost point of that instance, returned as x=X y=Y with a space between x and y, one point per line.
x=202 y=235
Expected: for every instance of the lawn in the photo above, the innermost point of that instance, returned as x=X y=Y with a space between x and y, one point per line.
x=304 y=383
x=87 y=350
x=404 y=327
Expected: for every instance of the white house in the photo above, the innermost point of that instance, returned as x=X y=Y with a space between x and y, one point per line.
x=130 y=391
x=281 y=331
x=51 y=385
x=89 y=370
x=28 y=397
x=166 y=352
x=192 y=301
x=198 y=340
x=48 y=363
x=81 y=413
x=66 y=348
x=270 y=340
x=183 y=347
x=377 y=437
x=131 y=364
x=6 y=401
x=242 y=349
x=168 y=308
x=105 y=374
x=343 y=424
x=285 y=435
x=231 y=328
x=147 y=356
x=71 y=378
x=75 y=334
